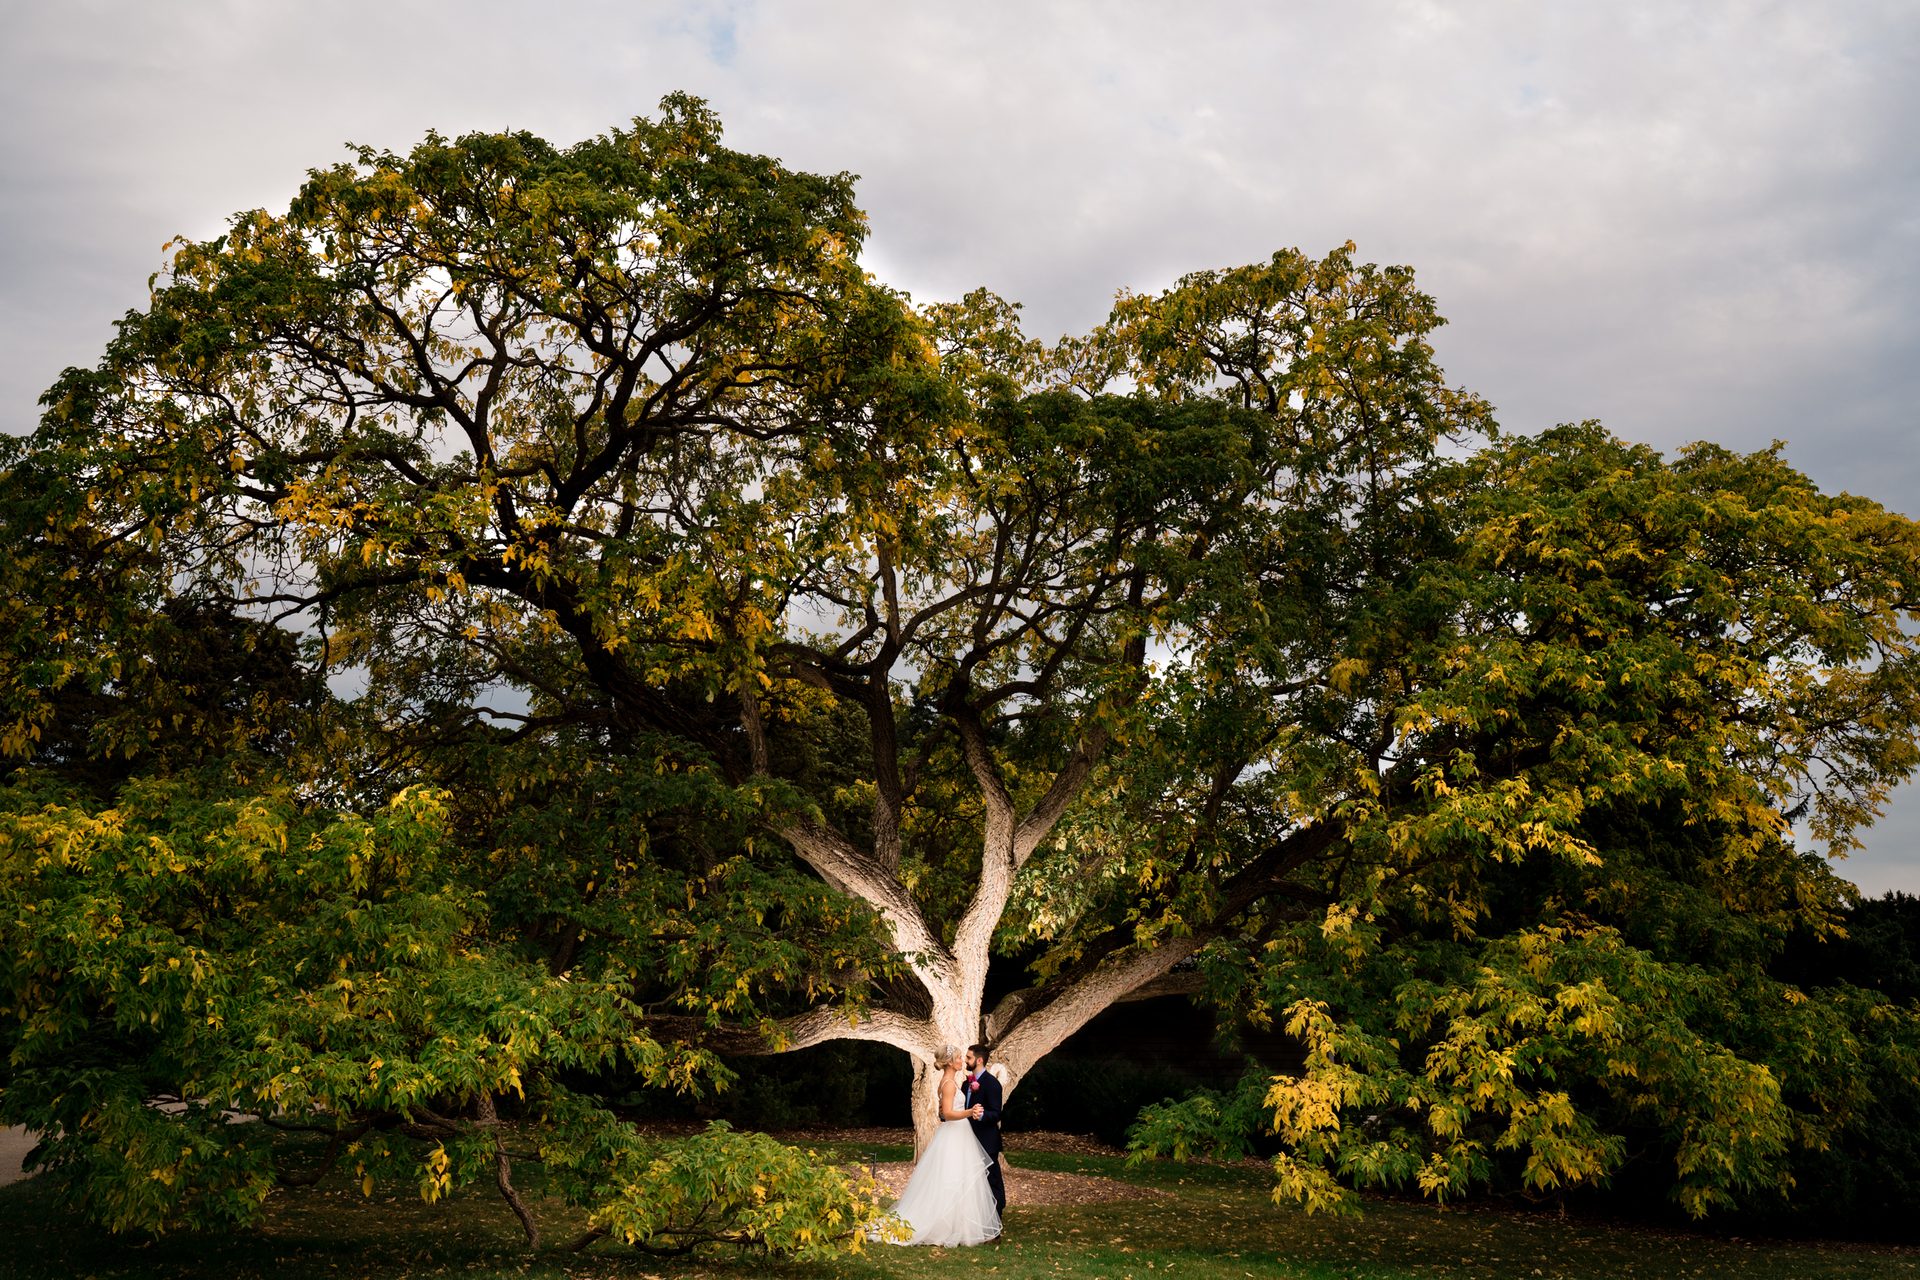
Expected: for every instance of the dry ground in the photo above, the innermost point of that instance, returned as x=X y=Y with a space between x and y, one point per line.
x=1032 y=1188
x=14 y=1145
x=1025 y=1187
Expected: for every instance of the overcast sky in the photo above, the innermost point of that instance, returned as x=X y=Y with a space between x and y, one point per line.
x=1688 y=221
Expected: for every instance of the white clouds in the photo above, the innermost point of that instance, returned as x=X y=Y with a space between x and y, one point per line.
x=1689 y=220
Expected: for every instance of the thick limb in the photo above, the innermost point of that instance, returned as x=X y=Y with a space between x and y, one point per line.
x=801 y=1031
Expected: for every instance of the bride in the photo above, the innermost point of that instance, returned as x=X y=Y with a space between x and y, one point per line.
x=947 y=1200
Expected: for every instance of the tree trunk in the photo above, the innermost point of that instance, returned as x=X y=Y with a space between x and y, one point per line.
x=952 y=966
x=1030 y=1025
x=955 y=1025
x=1034 y=1033
x=926 y=1102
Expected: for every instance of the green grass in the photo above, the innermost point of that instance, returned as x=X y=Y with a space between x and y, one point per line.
x=1214 y=1224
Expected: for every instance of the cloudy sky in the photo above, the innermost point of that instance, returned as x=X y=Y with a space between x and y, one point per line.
x=1687 y=220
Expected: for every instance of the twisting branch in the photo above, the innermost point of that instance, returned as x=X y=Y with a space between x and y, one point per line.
x=489 y=1119
x=336 y=1143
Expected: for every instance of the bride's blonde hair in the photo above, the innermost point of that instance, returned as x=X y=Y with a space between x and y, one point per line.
x=948 y=1052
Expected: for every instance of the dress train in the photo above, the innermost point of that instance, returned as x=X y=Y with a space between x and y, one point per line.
x=947 y=1200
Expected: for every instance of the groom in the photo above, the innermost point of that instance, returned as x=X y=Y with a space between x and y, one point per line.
x=983 y=1091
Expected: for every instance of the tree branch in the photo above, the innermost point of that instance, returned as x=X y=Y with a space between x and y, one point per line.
x=801 y=1031
x=848 y=869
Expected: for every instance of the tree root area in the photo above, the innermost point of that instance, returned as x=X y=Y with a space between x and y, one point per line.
x=1032 y=1188
x=1017 y=1140
x=1025 y=1187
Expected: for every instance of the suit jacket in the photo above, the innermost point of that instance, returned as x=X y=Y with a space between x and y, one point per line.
x=986 y=1092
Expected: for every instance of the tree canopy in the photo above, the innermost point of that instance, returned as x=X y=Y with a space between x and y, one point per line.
x=738 y=656
x=1573 y=856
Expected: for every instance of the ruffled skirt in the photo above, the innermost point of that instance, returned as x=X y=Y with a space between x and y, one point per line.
x=947 y=1200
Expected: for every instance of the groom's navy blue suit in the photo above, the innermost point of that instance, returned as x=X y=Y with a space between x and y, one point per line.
x=985 y=1090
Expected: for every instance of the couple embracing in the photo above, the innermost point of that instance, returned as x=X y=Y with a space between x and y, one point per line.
x=957 y=1194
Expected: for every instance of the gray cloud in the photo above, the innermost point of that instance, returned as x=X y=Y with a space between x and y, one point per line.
x=1689 y=220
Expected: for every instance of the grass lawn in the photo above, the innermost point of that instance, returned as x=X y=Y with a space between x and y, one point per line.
x=1212 y=1223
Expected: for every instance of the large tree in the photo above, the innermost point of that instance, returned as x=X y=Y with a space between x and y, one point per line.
x=618 y=447
x=610 y=464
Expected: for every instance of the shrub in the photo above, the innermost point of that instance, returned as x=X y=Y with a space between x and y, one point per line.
x=1098 y=1096
x=1207 y=1124
x=724 y=1188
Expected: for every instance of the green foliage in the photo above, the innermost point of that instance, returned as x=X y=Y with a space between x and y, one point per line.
x=1098 y=1095
x=1210 y=1124
x=1544 y=1045
x=1857 y=1173
x=439 y=390
x=1879 y=950
x=834 y=1085
x=640 y=870
x=205 y=969
x=399 y=913
x=1543 y=1062
x=723 y=1188
x=748 y=656
x=1852 y=1073
x=205 y=952
x=1558 y=762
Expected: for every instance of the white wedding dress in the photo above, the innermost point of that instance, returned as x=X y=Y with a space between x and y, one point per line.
x=947 y=1200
